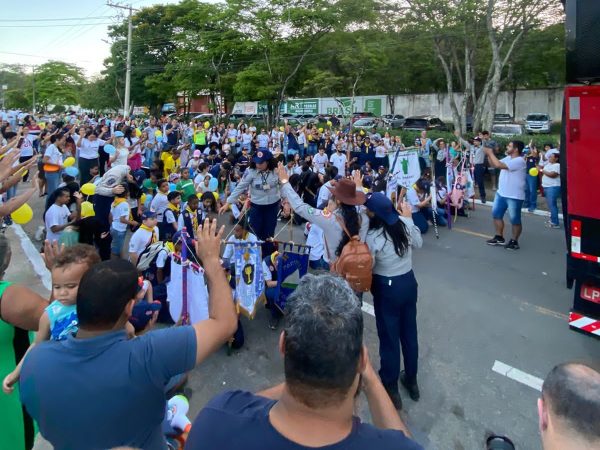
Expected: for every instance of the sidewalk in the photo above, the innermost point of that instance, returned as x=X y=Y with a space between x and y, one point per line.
x=26 y=265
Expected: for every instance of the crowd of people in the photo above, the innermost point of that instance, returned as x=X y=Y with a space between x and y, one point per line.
x=123 y=197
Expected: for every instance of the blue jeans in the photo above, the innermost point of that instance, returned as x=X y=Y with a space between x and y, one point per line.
x=319 y=264
x=395 y=301
x=552 y=193
x=478 y=173
x=531 y=192
x=52 y=181
x=118 y=238
x=502 y=204
x=270 y=293
x=420 y=221
x=440 y=217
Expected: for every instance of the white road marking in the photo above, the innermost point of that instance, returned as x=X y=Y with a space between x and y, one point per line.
x=368 y=308
x=34 y=256
x=518 y=375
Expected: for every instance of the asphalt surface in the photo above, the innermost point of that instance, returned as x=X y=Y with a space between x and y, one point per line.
x=477 y=305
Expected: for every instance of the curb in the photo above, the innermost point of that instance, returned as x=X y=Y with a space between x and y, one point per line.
x=537 y=212
x=39 y=266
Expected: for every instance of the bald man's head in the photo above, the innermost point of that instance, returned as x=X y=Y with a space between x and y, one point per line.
x=571 y=395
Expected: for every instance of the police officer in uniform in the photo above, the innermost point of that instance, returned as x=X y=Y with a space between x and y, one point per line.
x=262 y=182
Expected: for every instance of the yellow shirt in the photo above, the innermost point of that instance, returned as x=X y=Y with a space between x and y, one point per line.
x=171 y=165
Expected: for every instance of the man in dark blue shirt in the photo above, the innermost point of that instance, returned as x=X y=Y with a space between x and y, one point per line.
x=99 y=389
x=326 y=367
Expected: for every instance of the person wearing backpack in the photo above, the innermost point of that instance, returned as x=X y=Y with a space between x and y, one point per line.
x=344 y=227
x=390 y=238
x=145 y=235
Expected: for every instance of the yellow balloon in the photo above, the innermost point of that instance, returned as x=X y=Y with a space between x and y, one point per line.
x=281 y=128
x=138 y=132
x=329 y=123
x=320 y=130
x=22 y=215
x=87 y=209
x=88 y=189
x=158 y=133
x=206 y=125
x=69 y=162
x=42 y=125
x=143 y=199
x=362 y=132
x=216 y=194
x=534 y=172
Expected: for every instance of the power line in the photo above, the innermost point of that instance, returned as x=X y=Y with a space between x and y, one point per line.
x=57 y=25
x=56 y=19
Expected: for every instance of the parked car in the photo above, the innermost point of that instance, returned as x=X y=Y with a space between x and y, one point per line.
x=393 y=120
x=506 y=129
x=204 y=117
x=503 y=118
x=307 y=119
x=538 y=123
x=360 y=115
x=420 y=123
x=368 y=123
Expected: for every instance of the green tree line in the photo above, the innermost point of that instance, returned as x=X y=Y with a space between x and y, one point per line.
x=248 y=50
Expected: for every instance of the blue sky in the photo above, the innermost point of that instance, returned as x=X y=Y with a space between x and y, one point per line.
x=31 y=34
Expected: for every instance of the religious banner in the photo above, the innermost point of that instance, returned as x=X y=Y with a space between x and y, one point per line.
x=404 y=170
x=291 y=266
x=249 y=277
x=197 y=293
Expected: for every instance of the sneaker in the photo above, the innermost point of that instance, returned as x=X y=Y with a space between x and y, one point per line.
x=512 y=245
x=530 y=210
x=552 y=225
x=411 y=386
x=483 y=200
x=392 y=391
x=496 y=240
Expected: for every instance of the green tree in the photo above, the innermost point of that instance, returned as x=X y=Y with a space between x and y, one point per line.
x=57 y=83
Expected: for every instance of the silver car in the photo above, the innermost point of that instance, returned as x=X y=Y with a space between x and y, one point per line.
x=506 y=129
x=538 y=123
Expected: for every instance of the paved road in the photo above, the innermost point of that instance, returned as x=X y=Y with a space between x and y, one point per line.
x=478 y=305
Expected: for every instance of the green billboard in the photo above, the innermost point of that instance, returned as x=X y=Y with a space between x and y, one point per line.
x=373 y=105
x=304 y=106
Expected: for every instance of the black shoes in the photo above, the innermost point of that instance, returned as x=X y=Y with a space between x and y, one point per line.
x=496 y=240
x=411 y=386
x=274 y=322
x=394 y=396
x=512 y=245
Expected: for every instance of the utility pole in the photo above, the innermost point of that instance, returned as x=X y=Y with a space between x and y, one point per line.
x=33 y=89
x=128 y=64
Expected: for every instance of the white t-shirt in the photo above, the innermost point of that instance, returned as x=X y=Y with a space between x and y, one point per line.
x=263 y=140
x=380 y=151
x=551 y=182
x=56 y=215
x=54 y=154
x=320 y=161
x=27 y=145
x=159 y=205
x=121 y=210
x=121 y=159
x=246 y=138
x=316 y=239
x=228 y=252
x=140 y=240
x=511 y=182
x=89 y=149
x=413 y=199
x=339 y=160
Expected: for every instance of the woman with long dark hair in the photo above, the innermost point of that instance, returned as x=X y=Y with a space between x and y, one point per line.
x=390 y=239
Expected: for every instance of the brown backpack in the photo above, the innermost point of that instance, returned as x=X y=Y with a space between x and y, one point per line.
x=355 y=262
